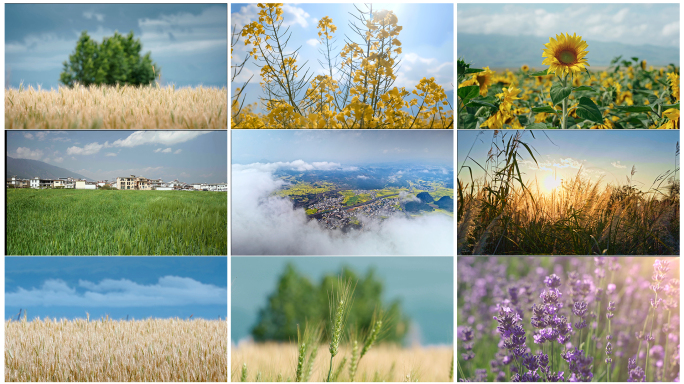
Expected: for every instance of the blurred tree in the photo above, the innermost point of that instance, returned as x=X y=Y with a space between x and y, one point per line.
x=116 y=61
x=297 y=301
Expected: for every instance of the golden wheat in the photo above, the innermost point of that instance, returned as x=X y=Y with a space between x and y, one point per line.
x=107 y=350
x=119 y=107
x=274 y=361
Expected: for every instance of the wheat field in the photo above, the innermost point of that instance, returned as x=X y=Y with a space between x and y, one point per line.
x=277 y=362
x=108 y=350
x=116 y=107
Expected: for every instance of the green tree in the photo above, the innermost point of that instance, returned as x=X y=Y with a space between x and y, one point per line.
x=116 y=60
x=297 y=300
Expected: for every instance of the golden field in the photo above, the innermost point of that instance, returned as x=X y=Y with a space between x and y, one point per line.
x=278 y=362
x=107 y=350
x=119 y=107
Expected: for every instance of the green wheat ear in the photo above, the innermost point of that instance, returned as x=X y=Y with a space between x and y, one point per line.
x=340 y=302
x=243 y=377
x=339 y=310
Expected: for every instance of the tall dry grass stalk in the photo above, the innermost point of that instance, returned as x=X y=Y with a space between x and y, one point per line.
x=384 y=362
x=116 y=107
x=123 y=351
x=501 y=214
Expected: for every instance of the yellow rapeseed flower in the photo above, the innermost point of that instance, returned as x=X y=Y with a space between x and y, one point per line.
x=565 y=54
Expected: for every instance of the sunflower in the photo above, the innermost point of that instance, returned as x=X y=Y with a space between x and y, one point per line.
x=507 y=97
x=643 y=65
x=672 y=115
x=576 y=81
x=484 y=79
x=525 y=68
x=607 y=124
x=674 y=84
x=565 y=54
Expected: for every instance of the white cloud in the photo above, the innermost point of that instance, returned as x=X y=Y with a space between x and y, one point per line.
x=671 y=29
x=167 y=150
x=295 y=15
x=152 y=137
x=618 y=165
x=569 y=162
x=112 y=154
x=89 y=149
x=41 y=135
x=168 y=291
x=28 y=153
x=157 y=150
x=267 y=224
x=185 y=32
x=297 y=165
x=28 y=136
x=363 y=177
x=89 y=15
x=58 y=159
x=178 y=151
x=624 y=23
x=313 y=42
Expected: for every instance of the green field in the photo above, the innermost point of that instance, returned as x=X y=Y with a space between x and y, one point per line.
x=80 y=222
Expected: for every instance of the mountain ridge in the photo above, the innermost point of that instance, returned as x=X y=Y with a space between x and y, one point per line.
x=502 y=51
x=28 y=169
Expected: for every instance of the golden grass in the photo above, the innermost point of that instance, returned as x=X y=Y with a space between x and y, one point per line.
x=106 y=350
x=273 y=361
x=119 y=107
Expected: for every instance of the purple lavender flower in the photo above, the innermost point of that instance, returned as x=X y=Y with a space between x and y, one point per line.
x=552 y=281
x=530 y=376
x=580 y=308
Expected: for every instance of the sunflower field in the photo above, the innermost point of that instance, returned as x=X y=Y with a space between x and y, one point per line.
x=629 y=94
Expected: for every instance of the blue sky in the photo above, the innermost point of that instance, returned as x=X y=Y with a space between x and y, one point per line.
x=342 y=146
x=188 y=41
x=633 y=24
x=423 y=284
x=140 y=287
x=189 y=156
x=427 y=39
x=609 y=154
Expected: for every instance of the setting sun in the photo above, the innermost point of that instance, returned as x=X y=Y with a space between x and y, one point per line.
x=551 y=183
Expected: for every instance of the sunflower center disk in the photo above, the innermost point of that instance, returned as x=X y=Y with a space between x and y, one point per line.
x=567 y=57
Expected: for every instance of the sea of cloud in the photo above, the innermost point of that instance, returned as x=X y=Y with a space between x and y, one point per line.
x=264 y=224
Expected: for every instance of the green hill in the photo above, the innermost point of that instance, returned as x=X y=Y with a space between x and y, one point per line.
x=28 y=169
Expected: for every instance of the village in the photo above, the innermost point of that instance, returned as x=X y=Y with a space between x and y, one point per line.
x=337 y=215
x=131 y=182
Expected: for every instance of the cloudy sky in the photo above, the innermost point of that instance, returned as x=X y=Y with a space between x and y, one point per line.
x=189 y=156
x=423 y=284
x=342 y=146
x=427 y=39
x=188 y=41
x=634 y=24
x=140 y=287
x=603 y=154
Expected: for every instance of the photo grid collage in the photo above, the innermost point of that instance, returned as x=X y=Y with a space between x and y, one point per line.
x=286 y=210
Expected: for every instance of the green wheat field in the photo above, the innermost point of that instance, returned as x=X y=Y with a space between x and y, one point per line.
x=105 y=222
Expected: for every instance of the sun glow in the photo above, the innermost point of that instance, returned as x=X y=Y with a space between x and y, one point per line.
x=551 y=183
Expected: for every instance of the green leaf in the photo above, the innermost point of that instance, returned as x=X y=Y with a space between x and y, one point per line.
x=588 y=110
x=584 y=88
x=480 y=102
x=635 y=108
x=523 y=120
x=668 y=106
x=539 y=73
x=473 y=70
x=538 y=126
x=469 y=122
x=559 y=93
x=469 y=92
x=635 y=59
x=652 y=98
x=546 y=109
